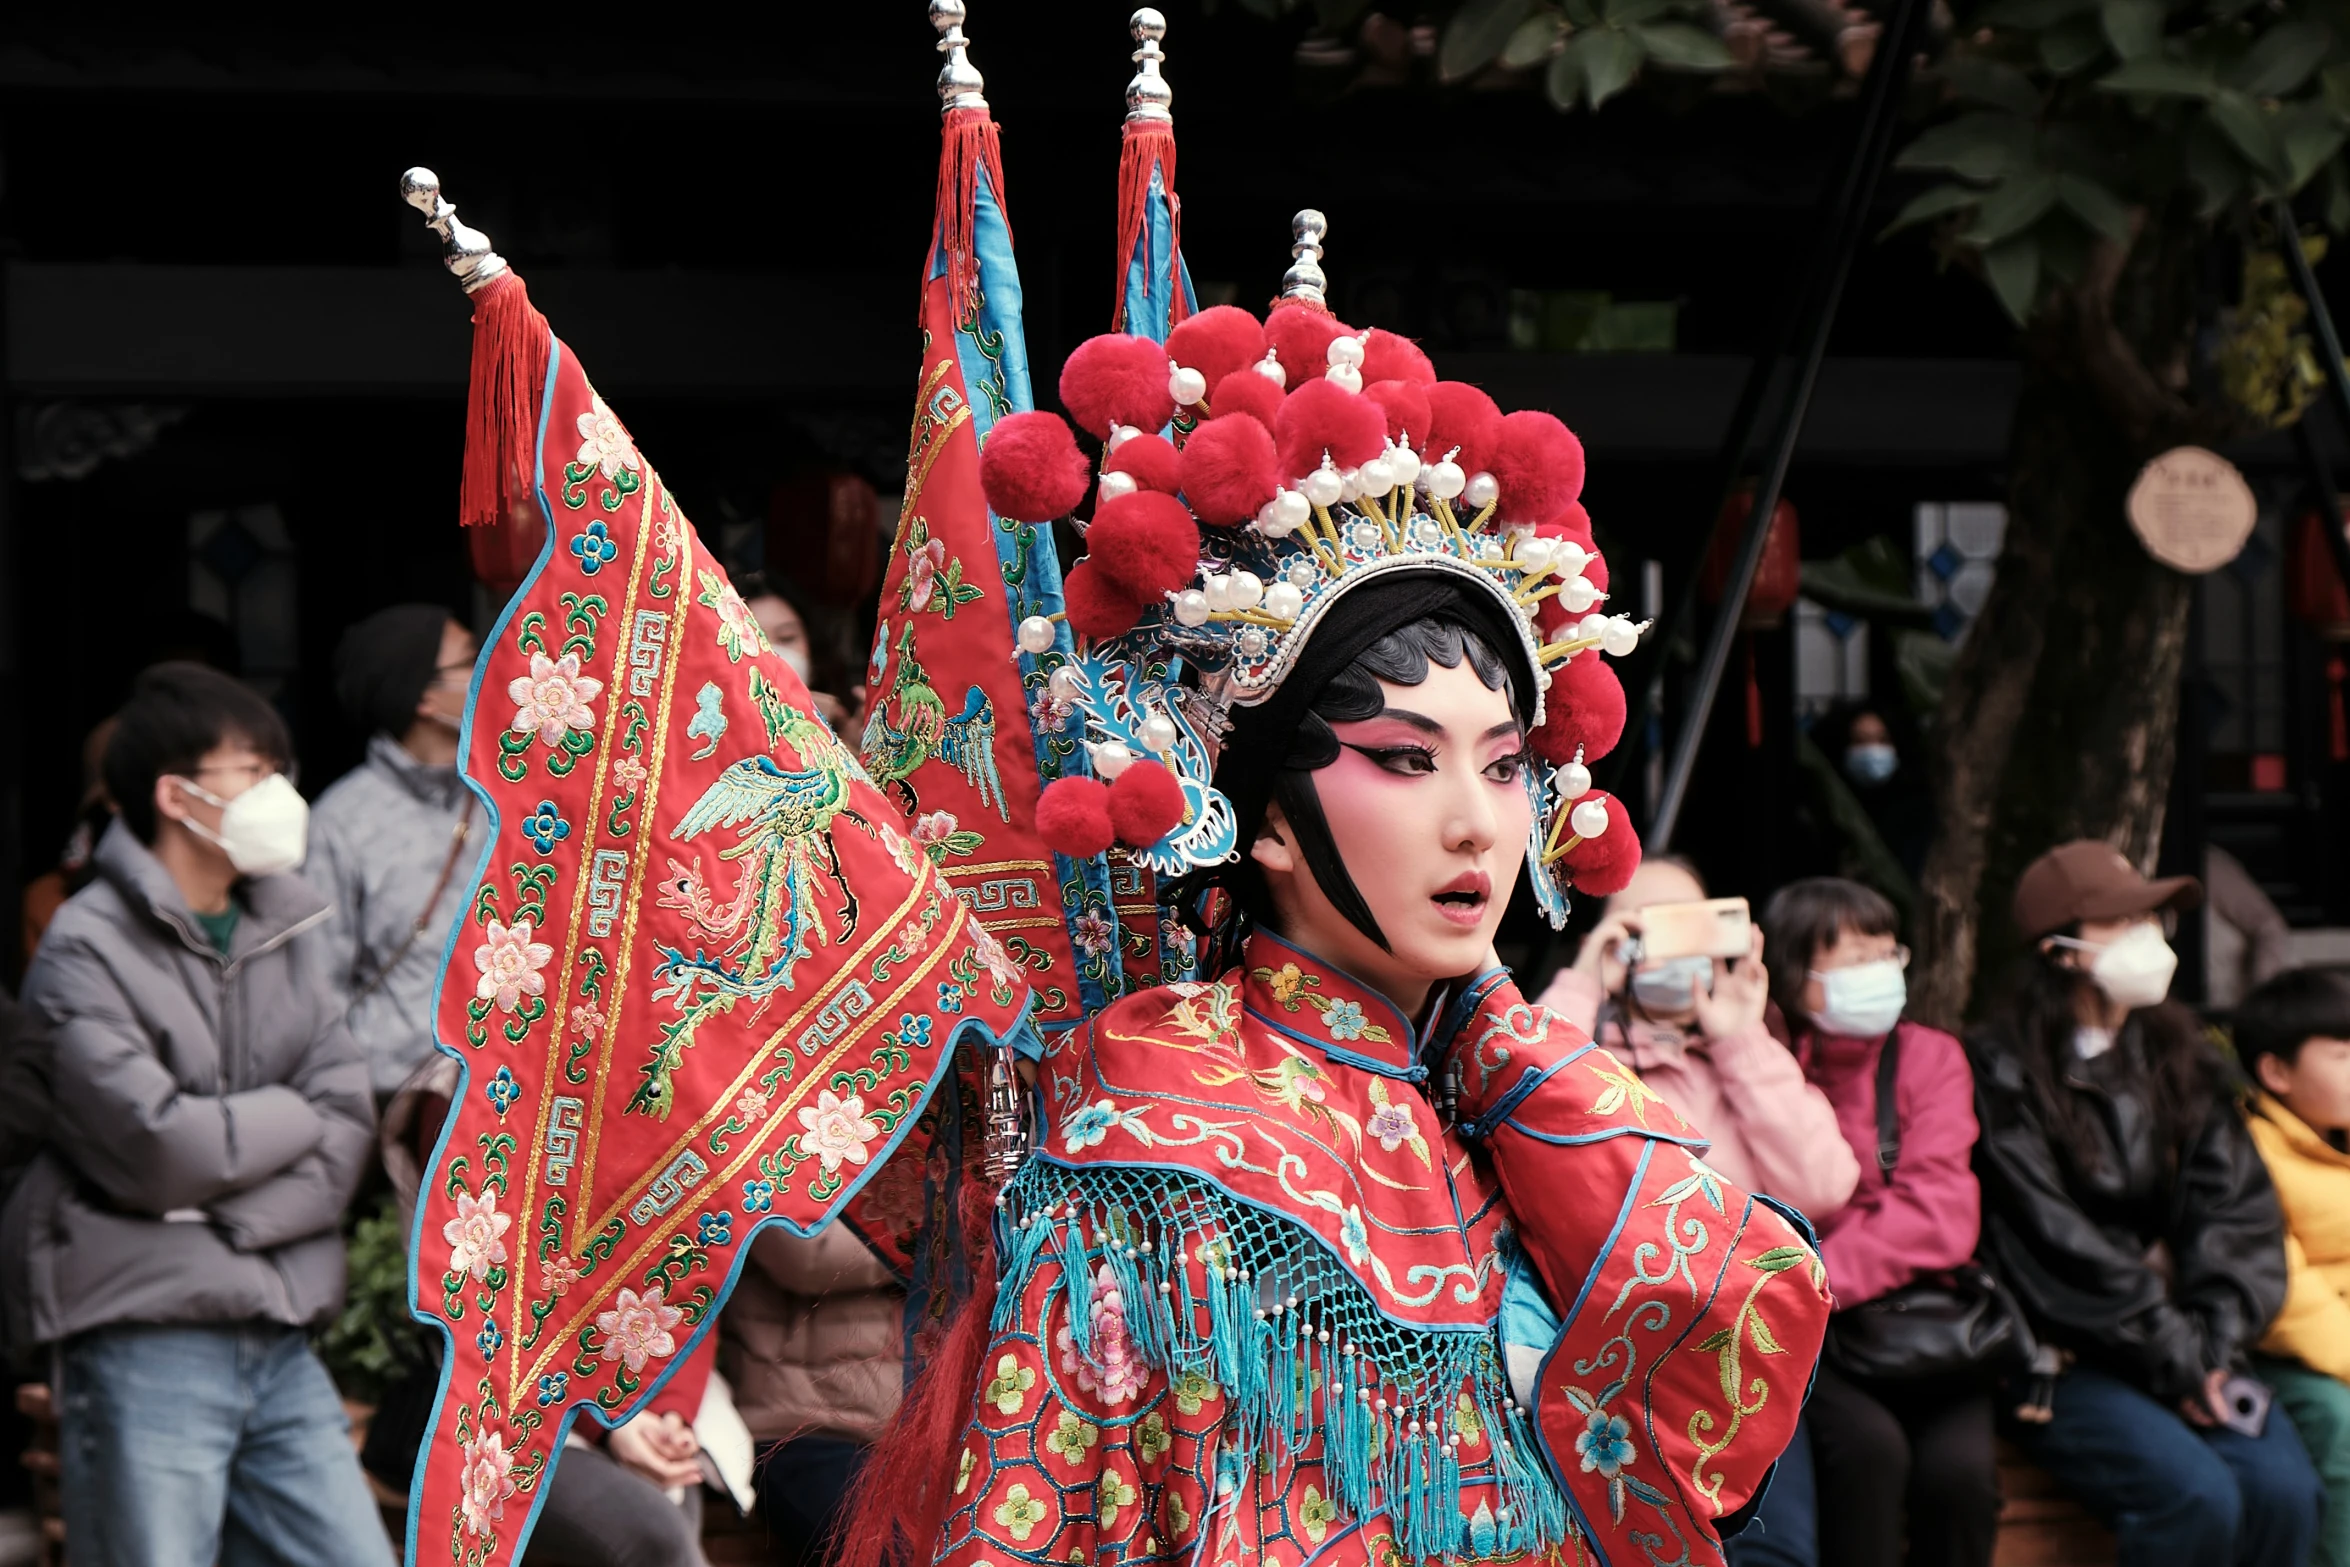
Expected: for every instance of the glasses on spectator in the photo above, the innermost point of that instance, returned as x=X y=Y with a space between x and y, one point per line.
x=1899 y=955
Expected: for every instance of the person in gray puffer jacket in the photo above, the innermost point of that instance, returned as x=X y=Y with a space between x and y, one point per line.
x=204 y=1117
x=387 y=840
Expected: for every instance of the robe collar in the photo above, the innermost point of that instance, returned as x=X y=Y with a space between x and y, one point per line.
x=1318 y=1004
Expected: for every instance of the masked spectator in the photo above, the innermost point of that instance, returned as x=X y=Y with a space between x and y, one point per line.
x=1881 y=1449
x=205 y=1119
x=387 y=841
x=2293 y=1036
x=2125 y=1207
x=790 y=626
x=1693 y=1029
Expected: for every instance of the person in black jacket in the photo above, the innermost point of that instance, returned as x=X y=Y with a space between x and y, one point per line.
x=2128 y=1211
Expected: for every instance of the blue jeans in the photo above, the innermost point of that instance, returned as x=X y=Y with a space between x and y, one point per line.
x=190 y=1446
x=1785 y=1530
x=2174 y=1493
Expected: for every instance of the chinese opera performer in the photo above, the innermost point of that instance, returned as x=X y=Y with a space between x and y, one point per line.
x=1128 y=984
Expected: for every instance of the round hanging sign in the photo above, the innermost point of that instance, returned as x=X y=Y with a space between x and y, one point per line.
x=2192 y=509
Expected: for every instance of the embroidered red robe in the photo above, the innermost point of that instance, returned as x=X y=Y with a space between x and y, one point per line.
x=1262 y=1304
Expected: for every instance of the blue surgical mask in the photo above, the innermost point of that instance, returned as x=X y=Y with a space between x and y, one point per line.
x=1671 y=986
x=1870 y=764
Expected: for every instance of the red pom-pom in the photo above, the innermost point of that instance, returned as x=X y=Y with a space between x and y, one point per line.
x=1073 y=817
x=1217 y=341
x=1246 y=392
x=1388 y=357
x=1406 y=406
x=1229 y=470
x=1583 y=707
x=1116 y=379
x=1146 y=543
x=1151 y=459
x=1601 y=867
x=1146 y=803
x=1300 y=335
x=1031 y=470
x=1097 y=607
x=1539 y=465
x=1460 y=415
x=1571 y=521
x=1322 y=416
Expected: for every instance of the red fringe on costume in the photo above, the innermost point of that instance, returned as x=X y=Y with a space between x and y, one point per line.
x=899 y=1502
x=969 y=143
x=1149 y=144
x=510 y=342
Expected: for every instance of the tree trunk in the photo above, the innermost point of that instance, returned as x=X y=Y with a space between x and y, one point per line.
x=2060 y=719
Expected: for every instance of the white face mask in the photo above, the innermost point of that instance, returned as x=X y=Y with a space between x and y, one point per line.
x=2134 y=969
x=1671 y=986
x=797 y=657
x=263 y=831
x=1863 y=1000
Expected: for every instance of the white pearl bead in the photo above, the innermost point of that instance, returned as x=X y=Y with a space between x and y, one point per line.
x=1345 y=375
x=1111 y=758
x=1270 y=368
x=1063 y=685
x=1036 y=634
x=1569 y=558
x=1574 y=781
x=1191 y=608
x=1533 y=555
x=1579 y=595
x=1480 y=491
x=1159 y=734
x=1376 y=477
x=1350 y=483
x=1186 y=385
x=1445 y=480
x=1588 y=629
x=1282 y=601
x=1120 y=434
x=1346 y=351
x=1114 y=485
x=1302 y=574
x=1293 y=509
x=1218 y=589
x=1322 y=487
x=1589 y=819
x=1404 y=463
x=1243 y=590
x=1618 y=637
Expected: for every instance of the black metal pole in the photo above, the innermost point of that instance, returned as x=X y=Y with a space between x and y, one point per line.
x=1888 y=72
x=2329 y=347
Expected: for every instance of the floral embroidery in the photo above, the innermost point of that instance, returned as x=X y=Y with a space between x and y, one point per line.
x=510 y=962
x=1287 y=984
x=638 y=1328
x=1072 y=1437
x=1318 y=1513
x=963 y=1467
x=758 y=1196
x=477 y=1236
x=914 y=1031
x=1193 y=1389
x=1091 y=1125
x=1178 y=1516
x=603 y=443
x=1009 y=1389
x=838 y=1130
x=1622 y=1087
x=903 y=852
x=501 y=1090
x=950 y=997
x=934 y=580
x=1112 y=1494
x=1466 y=1420
x=942 y=837
x=546 y=826
x=488 y=1339
x=629 y=773
x=1121 y=1372
x=751 y=1105
x=1049 y=713
x=716 y=1229
x=1344 y=1019
x=1354 y=1235
x=485 y=1481
x=553 y=698
x=561 y=1273
x=1605 y=1443
x=586 y=1020
x=922 y=564
x=1391 y=1124
x=552 y=1387
x=738 y=628
x=1092 y=933
x=595 y=548
x=1151 y=1438
x=1020 y=1513
x=1000 y=966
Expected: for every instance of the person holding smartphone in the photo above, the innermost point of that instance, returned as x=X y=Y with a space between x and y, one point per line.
x=2126 y=1209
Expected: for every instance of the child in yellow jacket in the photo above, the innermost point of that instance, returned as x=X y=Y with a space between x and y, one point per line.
x=2293 y=1036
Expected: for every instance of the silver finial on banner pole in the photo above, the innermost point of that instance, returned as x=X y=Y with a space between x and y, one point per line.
x=1148 y=96
x=959 y=83
x=464 y=251
x=1304 y=279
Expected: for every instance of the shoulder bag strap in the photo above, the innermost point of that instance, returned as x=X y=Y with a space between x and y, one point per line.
x=432 y=901
x=1888 y=1104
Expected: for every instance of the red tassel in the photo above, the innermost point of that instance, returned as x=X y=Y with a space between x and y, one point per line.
x=969 y=142
x=1149 y=144
x=893 y=1513
x=510 y=340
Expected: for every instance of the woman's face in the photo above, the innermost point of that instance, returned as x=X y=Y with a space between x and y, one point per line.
x=786 y=632
x=1427 y=807
x=1850 y=949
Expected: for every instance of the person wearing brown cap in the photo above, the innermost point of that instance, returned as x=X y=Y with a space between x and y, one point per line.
x=2127 y=1210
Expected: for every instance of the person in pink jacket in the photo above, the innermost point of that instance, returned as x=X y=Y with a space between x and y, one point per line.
x=1837 y=974
x=1694 y=1030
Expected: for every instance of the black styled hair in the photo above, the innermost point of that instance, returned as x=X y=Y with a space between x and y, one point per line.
x=177 y=713
x=2288 y=1010
x=1805 y=916
x=385 y=664
x=1401 y=657
x=2180 y=1075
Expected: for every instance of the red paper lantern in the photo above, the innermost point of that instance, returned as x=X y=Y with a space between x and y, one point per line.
x=1778 y=576
x=502 y=553
x=824 y=533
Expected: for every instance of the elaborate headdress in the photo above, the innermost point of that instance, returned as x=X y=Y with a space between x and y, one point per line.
x=1253 y=476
